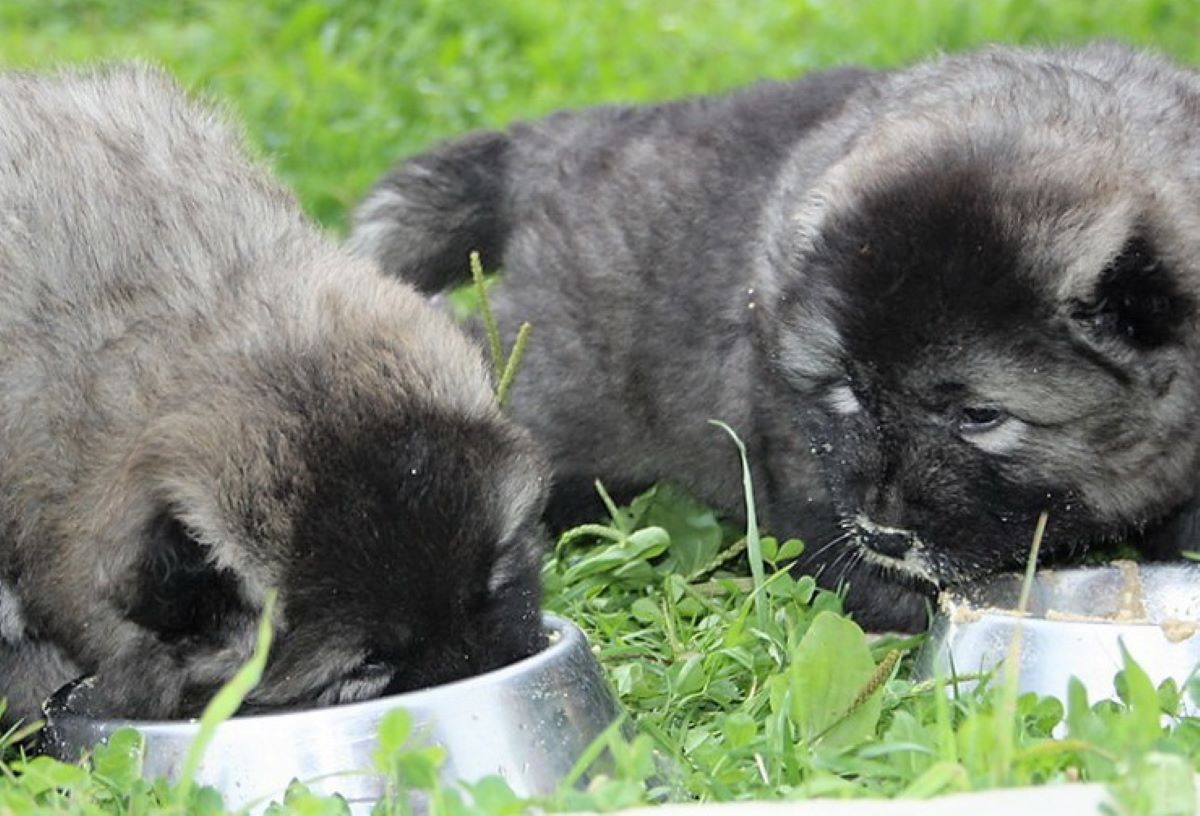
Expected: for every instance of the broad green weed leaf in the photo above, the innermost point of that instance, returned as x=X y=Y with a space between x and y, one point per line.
x=688 y=608
x=629 y=678
x=119 y=759
x=311 y=804
x=620 y=558
x=806 y=587
x=792 y=548
x=693 y=529
x=205 y=801
x=1193 y=690
x=298 y=800
x=1140 y=695
x=829 y=669
x=646 y=611
x=739 y=729
x=42 y=773
x=829 y=602
x=1042 y=713
x=648 y=542
x=392 y=736
x=770 y=548
x=779 y=553
x=1169 y=697
x=1080 y=719
x=419 y=767
x=295 y=790
x=493 y=796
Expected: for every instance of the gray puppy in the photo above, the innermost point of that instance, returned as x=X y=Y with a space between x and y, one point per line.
x=203 y=399
x=934 y=302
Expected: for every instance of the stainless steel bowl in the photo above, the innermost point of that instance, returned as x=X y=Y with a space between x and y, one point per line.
x=528 y=722
x=1074 y=625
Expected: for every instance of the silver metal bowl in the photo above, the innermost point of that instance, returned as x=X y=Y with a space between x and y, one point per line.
x=1074 y=625
x=528 y=722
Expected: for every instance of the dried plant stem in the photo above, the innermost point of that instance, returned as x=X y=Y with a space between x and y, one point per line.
x=730 y=552
x=878 y=677
x=873 y=683
x=514 y=360
x=489 y=319
x=505 y=370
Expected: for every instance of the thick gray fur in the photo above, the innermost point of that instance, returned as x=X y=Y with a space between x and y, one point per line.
x=202 y=399
x=933 y=301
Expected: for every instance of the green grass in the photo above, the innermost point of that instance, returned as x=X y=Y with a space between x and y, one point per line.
x=729 y=706
x=803 y=705
x=333 y=92
x=743 y=682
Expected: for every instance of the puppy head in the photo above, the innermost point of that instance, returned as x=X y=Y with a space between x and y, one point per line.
x=413 y=557
x=987 y=309
x=366 y=477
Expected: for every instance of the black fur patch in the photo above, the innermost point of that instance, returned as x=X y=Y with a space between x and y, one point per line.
x=923 y=264
x=1137 y=299
x=397 y=544
x=179 y=593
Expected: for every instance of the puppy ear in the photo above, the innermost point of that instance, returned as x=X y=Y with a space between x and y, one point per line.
x=1136 y=300
x=178 y=592
x=184 y=627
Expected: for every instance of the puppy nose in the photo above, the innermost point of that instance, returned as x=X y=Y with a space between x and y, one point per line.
x=894 y=545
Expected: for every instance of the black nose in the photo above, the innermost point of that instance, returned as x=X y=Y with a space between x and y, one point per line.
x=886 y=543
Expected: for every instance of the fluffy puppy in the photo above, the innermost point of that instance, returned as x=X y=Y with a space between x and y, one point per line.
x=935 y=302
x=201 y=400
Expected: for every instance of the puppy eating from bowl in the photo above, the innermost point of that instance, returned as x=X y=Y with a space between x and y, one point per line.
x=202 y=400
x=933 y=301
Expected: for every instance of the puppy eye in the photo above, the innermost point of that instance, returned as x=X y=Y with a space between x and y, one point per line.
x=973 y=420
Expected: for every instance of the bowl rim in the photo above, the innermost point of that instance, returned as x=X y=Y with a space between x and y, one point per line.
x=953 y=601
x=570 y=637
x=1114 y=627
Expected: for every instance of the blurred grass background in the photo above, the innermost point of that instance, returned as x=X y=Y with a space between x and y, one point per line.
x=334 y=91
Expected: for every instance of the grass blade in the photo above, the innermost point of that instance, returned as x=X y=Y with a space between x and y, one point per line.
x=1006 y=721
x=753 y=541
x=227 y=701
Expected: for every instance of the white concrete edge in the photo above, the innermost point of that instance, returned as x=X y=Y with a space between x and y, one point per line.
x=1060 y=800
